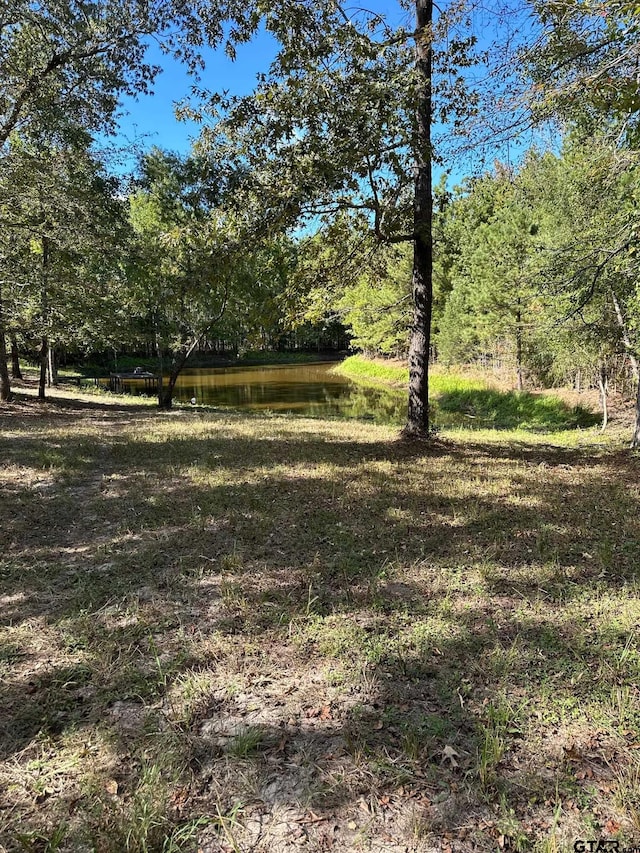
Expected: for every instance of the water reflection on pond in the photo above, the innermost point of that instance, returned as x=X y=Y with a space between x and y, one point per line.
x=307 y=389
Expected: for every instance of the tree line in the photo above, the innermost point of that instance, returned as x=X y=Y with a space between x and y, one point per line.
x=313 y=197
x=535 y=269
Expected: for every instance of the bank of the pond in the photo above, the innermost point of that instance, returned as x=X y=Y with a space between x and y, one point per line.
x=362 y=369
x=376 y=391
x=229 y=631
x=460 y=401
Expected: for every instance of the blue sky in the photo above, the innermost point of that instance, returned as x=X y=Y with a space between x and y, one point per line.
x=150 y=119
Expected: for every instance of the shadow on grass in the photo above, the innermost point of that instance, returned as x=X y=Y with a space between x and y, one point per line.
x=487 y=407
x=359 y=633
x=26 y=405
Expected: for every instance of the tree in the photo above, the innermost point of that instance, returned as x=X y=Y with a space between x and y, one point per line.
x=584 y=63
x=591 y=268
x=189 y=261
x=343 y=275
x=343 y=121
x=259 y=311
x=5 y=380
x=70 y=59
x=495 y=300
x=377 y=307
x=64 y=66
x=61 y=222
x=585 y=67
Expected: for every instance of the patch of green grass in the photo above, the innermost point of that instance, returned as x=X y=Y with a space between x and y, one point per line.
x=473 y=403
x=246 y=743
x=510 y=410
x=43 y=842
x=142 y=821
x=420 y=735
x=510 y=829
x=361 y=369
x=490 y=754
x=441 y=384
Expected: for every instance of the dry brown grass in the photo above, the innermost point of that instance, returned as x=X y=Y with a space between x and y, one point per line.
x=226 y=632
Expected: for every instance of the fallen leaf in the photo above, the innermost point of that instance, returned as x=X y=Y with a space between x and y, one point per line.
x=449 y=754
x=586 y=773
x=325 y=713
x=179 y=798
x=572 y=753
x=312 y=817
x=612 y=826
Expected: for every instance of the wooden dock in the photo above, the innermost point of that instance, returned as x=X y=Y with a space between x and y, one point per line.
x=120 y=383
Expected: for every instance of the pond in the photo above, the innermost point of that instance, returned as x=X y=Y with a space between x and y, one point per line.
x=303 y=389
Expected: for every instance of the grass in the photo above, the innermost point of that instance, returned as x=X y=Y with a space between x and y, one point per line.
x=251 y=632
x=465 y=402
x=362 y=369
x=510 y=409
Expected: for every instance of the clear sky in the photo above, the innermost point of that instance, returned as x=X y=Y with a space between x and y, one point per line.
x=149 y=120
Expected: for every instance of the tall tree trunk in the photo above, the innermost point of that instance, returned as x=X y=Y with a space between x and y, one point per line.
x=52 y=368
x=44 y=307
x=633 y=361
x=520 y=383
x=5 y=381
x=603 y=386
x=635 y=440
x=165 y=392
x=16 y=373
x=42 y=379
x=160 y=356
x=626 y=339
x=422 y=277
